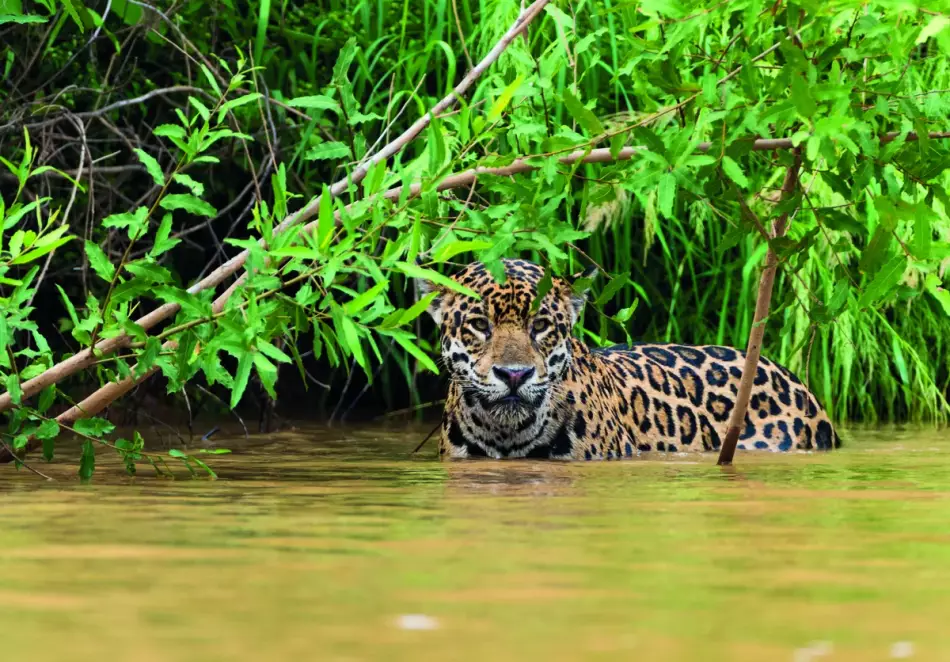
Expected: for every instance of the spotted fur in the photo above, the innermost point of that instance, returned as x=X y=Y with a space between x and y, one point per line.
x=522 y=386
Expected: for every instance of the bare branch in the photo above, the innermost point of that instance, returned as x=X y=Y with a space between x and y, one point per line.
x=756 y=334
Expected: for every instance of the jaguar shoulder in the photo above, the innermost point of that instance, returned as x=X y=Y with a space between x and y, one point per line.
x=522 y=386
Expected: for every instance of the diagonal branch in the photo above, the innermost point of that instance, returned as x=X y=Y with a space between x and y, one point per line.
x=757 y=333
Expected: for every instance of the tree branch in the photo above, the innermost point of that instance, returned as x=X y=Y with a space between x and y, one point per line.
x=757 y=332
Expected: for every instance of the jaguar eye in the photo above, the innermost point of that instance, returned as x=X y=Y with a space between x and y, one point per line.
x=480 y=324
x=540 y=325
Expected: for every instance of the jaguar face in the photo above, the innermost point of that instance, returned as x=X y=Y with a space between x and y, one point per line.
x=507 y=359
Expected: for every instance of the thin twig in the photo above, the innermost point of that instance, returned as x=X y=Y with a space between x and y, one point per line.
x=69 y=205
x=458 y=25
x=428 y=436
x=8 y=450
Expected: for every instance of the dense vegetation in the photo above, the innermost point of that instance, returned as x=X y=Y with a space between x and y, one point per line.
x=145 y=147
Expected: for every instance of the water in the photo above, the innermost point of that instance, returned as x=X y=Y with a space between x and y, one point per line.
x=333 y=545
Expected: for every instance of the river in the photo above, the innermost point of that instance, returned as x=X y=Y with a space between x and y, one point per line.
x=337 y=544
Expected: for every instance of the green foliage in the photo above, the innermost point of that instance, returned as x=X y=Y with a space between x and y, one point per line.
x=862 y=308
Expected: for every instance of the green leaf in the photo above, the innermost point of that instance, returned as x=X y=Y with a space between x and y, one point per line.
x=267 y=373
x=801 y=97
x=129 y=290
x=47 y=433
x=414 y=350
x=134 y=222
x=93 y=427
x=415 y=271
x=16 y=212
x=625 y=314
x=883 y=282
x=42 y=248
x=898 y=356
x=189 y=203
x=4 y=342
x=316 y=102
x=666 y=194
x=272 y=351
x=360 y=118
x=163 y=243
x=876 y=250
x=12 y=384
x=79 y=14
x=652 y=141
x=205 y=467
x=730 y=239
x=100 y=262
x=87 y=463
x=933 y=28
x=343 y=62
x=47 y=397
x=22 y=18
x=170 y=131
x=923 y=233
x=241 y=377
x=435 y=146
x=212 y=81
x=841 y=222
x=732 y=169
x=327 y=151
x=176 y=453
x=584 y=116
x=48 y=429
x=151 y=165
x=544 y=286
x=69 y=306
x=364 y=299
x=839 y=297
x=453 y=248
x=351 y=333
x=326 y=221
x=196 y=188
x=235 y=103
x=149 y=271
x=560 y=17
x=612 y=288
x=147 y=359
x=617 y=143
x=409 y=314
x=501 y=103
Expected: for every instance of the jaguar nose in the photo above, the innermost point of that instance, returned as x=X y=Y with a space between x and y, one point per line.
x=513 y=375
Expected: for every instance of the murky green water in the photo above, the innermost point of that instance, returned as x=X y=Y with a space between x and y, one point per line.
x=317 y=547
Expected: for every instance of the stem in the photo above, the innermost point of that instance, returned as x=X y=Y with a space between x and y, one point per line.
x=757 y=332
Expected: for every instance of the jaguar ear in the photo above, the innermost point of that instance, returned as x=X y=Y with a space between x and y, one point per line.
x=580 y=286
x=424 y=288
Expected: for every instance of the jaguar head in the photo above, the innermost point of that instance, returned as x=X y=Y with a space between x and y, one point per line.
x=507 y=359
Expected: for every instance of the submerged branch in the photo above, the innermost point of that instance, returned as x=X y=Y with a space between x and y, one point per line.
x=756 y=334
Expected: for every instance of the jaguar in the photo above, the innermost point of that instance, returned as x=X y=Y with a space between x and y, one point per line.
x=522 y=385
